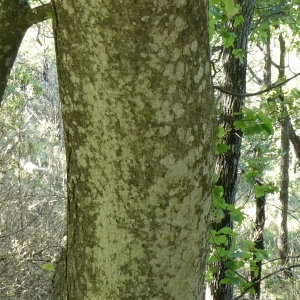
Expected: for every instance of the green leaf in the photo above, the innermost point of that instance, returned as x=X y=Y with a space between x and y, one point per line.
x=235 y=265
x=231 y=9
x=218 y=191
x=221 y=239
x=209 y=274
x=259 y=191
x=251 y=175
x=231 y=278
x=212 y=23
x=238 y=20
x=229 y=40
x=219 y=214
x=239 y=54
x=213 y=259
x=222 y=148
x=239 y=125
x=220 y=132
x=221 y=251
x=216 y=12
x=226 y=230
x=237 y=216
x=216 y=178
x=229 y=6
x=48 y=267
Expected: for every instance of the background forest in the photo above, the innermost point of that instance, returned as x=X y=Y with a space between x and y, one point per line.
x=32 y=171
x=254 y=249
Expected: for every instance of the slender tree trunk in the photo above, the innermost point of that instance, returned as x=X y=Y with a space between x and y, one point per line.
x=138 y=116
x=227 y=164
x=282 y=241
x=260 y=202
x=258 y=239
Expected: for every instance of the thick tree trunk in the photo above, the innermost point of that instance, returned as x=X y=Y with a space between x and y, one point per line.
x=227 y=163
x=15 y=18
x=138 y=116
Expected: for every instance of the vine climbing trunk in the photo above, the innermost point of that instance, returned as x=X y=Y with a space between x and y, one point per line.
x=234 y=81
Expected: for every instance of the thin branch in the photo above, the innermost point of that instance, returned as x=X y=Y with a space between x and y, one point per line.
x=273 y=86
x=265 y=277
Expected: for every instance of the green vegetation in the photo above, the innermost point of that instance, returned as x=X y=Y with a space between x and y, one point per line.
x=269 y=114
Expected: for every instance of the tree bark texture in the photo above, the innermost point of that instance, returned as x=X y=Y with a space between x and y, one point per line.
x=234 y=81
x=260 y=218
x=138 y=117
x=282 y=241
x=15 y=18
x=294 y=138
x=260 y=202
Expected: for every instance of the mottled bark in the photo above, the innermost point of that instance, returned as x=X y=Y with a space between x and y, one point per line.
x=234 y=81
x=138 y=116
x=15 y=18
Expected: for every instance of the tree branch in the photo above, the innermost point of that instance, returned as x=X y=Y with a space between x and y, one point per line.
x=39 y=14
x=273 y=86
x=285 y=269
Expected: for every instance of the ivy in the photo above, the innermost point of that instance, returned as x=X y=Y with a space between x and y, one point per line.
x=261 y=190
x=255 y=122
x=220 y=147
x=236 y=257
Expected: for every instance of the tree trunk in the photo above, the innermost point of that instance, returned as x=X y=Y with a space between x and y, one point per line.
x=15 y=18
x=138 y=117
x=260 y=202
x=294 y=138
x=282 y=241
x=258 y=239
x=227 y=163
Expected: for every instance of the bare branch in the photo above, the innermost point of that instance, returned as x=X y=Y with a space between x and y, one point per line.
x=284 y=269
x=273 y=86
